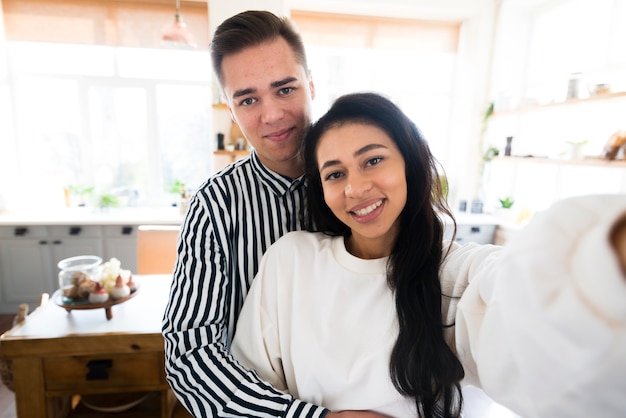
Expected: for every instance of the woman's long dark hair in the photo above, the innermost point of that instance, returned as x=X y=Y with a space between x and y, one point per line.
x=422 y=364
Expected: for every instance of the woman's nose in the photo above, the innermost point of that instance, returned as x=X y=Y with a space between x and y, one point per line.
x=357 y=186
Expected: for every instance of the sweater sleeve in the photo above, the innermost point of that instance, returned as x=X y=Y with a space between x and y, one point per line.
x=542 y=329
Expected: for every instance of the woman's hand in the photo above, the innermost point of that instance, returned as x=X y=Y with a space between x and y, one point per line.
x=618 y=240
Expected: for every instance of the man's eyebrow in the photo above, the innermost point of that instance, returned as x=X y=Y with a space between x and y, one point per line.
x=243 y=92
x=273 y=85
x=282 y=82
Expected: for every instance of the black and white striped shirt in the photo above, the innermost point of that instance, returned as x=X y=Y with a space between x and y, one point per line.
x=231 y=220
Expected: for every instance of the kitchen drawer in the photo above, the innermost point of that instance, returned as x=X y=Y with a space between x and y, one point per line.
x=99 y=372
x=120 y=231
x=19 y=231
x=75 y=231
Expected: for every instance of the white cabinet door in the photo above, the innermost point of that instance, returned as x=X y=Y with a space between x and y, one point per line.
x=25 y=266
x=120 y=241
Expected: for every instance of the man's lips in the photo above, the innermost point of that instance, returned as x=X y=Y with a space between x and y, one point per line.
x=280 y=135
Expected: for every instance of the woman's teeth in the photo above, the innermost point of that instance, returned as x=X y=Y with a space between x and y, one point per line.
x=368 y=209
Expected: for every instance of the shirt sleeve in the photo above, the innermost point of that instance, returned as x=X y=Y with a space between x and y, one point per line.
x=541 y=326
x=255 y=344
x=199 y=366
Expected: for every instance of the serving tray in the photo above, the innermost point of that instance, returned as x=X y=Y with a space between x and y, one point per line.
x=83 y=304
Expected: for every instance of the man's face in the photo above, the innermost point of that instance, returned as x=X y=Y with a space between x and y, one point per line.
x=269 y=95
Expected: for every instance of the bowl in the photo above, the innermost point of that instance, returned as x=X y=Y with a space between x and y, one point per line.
x=77 y=276
x=596 y=89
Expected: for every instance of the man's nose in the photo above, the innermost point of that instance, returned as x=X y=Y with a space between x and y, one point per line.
x=271 y=111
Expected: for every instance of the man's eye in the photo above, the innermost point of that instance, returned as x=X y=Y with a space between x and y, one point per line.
x=247 y=102
x=285 y=90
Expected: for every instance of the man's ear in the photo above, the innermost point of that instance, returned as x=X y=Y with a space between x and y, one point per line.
x=311 y=84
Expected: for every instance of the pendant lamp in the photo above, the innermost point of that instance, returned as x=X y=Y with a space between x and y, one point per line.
x=177 y=35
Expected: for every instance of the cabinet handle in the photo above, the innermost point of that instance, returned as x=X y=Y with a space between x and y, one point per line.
x=43 y=242
x=127 y=230
x=20 y=231
x=56 y=242
x=75 y=230
x=98 y=369
x=475 y=229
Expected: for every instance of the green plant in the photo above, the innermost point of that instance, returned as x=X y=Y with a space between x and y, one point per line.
x=507 y=202
x=490 y=153
x=176 y=187
x=108 y=200
x=80 y=190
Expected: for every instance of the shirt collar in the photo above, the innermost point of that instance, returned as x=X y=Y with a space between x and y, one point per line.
x=277 y=183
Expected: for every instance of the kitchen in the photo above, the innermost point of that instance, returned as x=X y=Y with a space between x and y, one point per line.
x=111 y=129
x=109 y=136
x=466 y=104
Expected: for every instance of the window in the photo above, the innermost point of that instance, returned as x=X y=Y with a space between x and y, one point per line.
x=410 y=61
x=126 y=121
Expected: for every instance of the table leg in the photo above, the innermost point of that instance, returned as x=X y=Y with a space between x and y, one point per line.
x=30 y=399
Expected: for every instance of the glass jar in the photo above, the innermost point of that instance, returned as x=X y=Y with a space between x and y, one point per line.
x=78 y=277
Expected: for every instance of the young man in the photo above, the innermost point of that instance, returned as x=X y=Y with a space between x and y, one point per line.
x=235 y=216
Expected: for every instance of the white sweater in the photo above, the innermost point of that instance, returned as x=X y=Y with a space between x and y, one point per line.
x=541 y=325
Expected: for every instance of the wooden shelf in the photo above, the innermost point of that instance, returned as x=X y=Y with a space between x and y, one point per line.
x=588 y=161
x=235 y=153
x=570 y=102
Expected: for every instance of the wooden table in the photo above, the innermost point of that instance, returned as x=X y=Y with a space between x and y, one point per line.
x=58 y=356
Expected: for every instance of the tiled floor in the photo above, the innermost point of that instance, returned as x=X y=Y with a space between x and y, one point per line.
x=7 y=403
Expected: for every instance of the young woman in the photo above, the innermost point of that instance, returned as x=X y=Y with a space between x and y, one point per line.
x=371 y=310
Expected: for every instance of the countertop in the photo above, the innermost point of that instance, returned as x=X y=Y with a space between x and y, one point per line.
x=149 y=216
x=91 y=216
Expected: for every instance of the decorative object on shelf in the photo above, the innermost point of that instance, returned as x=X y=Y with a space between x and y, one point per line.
x=507 y=202
x=505 y=211
x=177 y=35
x=598 y=89
x=236 y=138
x=477 y=206
x=575 y=149
x=615 y=142
x=573 y=86
x=220 y=141
x=507 y=148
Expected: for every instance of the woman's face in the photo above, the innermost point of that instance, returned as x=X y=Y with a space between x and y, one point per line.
x=364 y=183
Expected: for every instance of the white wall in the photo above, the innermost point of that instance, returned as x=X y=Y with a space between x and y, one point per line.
x=478 y=19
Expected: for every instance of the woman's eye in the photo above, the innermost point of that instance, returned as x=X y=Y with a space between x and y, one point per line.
x=332 y=176
x=374 y=161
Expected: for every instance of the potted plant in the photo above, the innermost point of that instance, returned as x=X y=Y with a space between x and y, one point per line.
x=505 y=210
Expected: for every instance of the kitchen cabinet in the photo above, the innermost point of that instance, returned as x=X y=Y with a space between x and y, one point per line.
x=120 y=241
x=25 y=266
x=29 y=256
